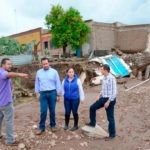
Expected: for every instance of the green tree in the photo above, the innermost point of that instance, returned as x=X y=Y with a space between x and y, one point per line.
x=10 y=46
x=67 y=28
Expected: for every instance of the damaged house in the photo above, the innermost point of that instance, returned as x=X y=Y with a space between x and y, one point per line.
x=130 y=42
x=106 y=36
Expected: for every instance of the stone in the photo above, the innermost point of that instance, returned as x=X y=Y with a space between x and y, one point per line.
x=35 y=126
x=54 y=136
x=69 y=138
x=77 y=136
x=84 y=144
x=96 y=131
x=52 y=143
x=21 y=146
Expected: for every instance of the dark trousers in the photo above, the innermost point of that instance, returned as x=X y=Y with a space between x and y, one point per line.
x=71 y=106
x=47 y=101
x=109 y=111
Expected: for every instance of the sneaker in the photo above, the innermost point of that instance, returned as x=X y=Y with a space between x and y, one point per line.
x=74 y=128
x=54 y=129
x=39 y=132
x=89 y=124
x=66 y=127
x=1 y=136
x=15 y=143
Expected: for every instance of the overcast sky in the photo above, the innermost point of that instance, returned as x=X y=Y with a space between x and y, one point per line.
x=22 y=15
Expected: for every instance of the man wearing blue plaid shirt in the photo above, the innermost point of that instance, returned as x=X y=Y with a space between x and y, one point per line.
x=106 y=99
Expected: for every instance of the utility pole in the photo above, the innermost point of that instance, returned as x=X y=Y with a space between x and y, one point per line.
x=15 y=20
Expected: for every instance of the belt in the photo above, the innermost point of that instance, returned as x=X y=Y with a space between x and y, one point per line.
x=47 y=91
x=105 y=97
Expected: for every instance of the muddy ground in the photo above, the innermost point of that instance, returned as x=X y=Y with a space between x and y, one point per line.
x=132 y=123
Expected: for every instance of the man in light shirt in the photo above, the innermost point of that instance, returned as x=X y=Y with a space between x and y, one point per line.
x=48 y=90
x=106 y=99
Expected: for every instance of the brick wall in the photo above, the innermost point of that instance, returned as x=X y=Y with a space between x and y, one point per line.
x=105 y=37
x=132 y=39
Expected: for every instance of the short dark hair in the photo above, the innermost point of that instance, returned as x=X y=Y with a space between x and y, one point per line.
x=106 y=67
x=45 y=58
x=3 y=62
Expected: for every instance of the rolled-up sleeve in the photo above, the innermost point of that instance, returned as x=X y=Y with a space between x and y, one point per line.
x=112 y=91
x=37 y=85
x=81 y=92
x=63 y=91
x=58 y=85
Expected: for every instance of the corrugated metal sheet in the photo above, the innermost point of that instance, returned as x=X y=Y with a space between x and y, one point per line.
x=117 y=65
x=19 y=59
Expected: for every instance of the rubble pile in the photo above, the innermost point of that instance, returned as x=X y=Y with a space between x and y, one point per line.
x=139 y=62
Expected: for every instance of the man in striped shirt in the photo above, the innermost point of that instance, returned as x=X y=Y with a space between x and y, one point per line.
x=106 y=99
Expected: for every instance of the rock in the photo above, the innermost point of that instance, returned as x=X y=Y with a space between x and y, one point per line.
x=32 y=136
x=34 y=126
x=121 y=81
x=84 y=144
x=50 y=133
x=97 y=132
x=52 y=143
x=54 y=136
x=30 y=94
x=139 y=76
x=77 y=136
x=21 y=146
x=68 y=137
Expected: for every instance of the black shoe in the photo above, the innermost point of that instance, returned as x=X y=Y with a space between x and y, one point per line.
x=89 y=124
x=112 y=136
x=66 y=127
x=109 y=138
x=39 y=132
x=54 y=129
x=1 y=136
x=74 y=128
x=15 y=143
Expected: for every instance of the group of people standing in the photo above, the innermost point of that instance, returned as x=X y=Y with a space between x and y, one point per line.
x=49 y=89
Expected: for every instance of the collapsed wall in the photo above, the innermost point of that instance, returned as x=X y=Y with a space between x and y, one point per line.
x=132 y=39
x=127 y=38
x=148 y=43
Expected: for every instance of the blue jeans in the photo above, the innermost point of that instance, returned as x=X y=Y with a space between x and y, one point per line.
x=47 y=101
x=7 y=112
x=109 y=111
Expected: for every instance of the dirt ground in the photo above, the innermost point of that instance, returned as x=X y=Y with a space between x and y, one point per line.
x=132 y=123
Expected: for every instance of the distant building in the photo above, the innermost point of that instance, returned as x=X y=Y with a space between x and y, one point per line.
x=103 y=38
x=37 y=35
